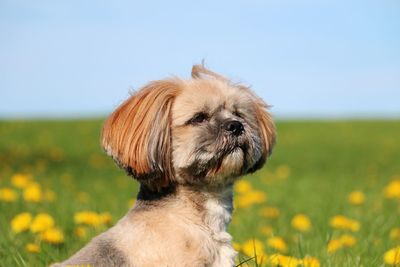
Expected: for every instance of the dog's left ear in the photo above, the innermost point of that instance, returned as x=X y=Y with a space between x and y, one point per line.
x=267 y=127
x=138 y=134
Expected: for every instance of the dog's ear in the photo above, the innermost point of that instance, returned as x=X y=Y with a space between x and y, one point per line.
x=138 y=133
x=267 y=127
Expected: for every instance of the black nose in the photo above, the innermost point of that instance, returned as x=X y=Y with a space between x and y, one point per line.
x=234 y=127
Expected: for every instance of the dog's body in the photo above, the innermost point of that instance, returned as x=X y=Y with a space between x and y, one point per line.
x=186 y=142
x=187 y=228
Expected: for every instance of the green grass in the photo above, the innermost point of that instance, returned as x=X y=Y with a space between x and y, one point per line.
x=327 y=161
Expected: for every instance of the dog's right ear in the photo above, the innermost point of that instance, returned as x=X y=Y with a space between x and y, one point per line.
x=138 y=135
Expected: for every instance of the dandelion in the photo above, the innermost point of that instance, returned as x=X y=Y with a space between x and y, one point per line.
x=33 y=193
x=394 y=234
x=301 y=222
x=310 y=262
x=236 y=246
x=52 y=236
x=269 y=212
x=277 y=243
x=92 y=218
x=356 y=198
x=392 y=190
x=105 y=218
x=21 y=180
x=348 y=240
x=32 y=248
x=56 y=154
x=248 y=199
x=344 y=223
x=21 y=222
x=267 y=230
x=334 y=245
x=282 y=172
x=83 y=197
x=242 y=186
x=342 y=241
x=41 y=222
x=50 y=196
x=254 y=247
x=392 y=257
x=283 y=261
x=80 y=232
x=7 y=194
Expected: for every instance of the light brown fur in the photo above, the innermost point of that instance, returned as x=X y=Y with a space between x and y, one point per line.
x=186 y=142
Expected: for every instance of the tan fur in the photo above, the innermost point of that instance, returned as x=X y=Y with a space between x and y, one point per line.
x=129 y=134
x=186 y=142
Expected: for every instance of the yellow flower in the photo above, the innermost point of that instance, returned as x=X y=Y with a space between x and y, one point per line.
x=284 y=261
x=267 y=230
x=356 y=198
x=254 y=247
x=83 y=197
x=269 y=212
x=392 y=257
x=21 y=222
x=310 y=262
x=32 y=248
x=334 y=245
x=42 y=222
x=80 y=232
x=236 y=246
x=277 y=243
x=105 y=218
x=52 y=236
x=7 y=194
x=33 y=193
x=394 y=234
x=242 y=186
x=50 y=195
x=392 y=190
x=92 y=218
x=253 y=197
x=301 y=222
x=282 y=172
x=342 y=241
x=87 y=217
x=56 y=154
x=348 y=240
x=344 y=223
x=20 y=180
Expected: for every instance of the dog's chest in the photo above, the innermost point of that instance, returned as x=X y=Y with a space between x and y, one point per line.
x=218 y=215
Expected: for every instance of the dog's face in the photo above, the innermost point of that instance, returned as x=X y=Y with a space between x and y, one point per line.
x=203 y=131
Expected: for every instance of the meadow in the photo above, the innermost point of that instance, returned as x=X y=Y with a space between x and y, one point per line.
x=328 y=196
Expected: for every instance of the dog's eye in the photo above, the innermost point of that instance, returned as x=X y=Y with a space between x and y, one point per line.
x=238 y=114
x=198 y=118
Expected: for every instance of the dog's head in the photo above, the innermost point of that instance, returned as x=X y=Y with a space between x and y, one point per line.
x=202 y=131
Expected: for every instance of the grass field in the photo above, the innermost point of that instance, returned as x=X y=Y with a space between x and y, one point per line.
x=58 y=168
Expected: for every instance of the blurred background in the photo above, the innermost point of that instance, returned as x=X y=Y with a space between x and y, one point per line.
x=330 y=69
x=309 y=59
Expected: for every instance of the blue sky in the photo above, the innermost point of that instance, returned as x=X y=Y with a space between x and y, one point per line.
x=306 y=58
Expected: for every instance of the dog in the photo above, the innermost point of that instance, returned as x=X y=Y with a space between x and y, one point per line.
x=186 y=142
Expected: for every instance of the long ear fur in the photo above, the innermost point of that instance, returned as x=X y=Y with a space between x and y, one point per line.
x=266 y=126
x=138 y=135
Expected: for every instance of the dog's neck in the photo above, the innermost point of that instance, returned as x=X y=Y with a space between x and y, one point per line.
x=213 y=206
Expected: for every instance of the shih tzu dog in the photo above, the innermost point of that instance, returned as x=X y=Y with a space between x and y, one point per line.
x=186 y=142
